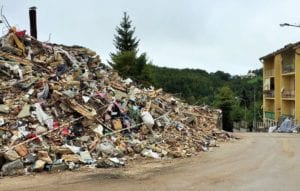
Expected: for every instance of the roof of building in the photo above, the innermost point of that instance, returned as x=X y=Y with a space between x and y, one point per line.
x=285 y=48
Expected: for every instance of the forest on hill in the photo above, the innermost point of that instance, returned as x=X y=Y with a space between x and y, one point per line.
x=239 y=97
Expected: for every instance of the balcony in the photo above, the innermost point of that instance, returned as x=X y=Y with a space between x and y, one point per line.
x=269 y=93
x=269 y=115
x=269 y=73
x=288 y=94
x=289 y=68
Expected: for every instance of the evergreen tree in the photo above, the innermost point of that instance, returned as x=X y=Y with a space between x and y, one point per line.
x=126 y=60
x=124 y=39
x=124 y=63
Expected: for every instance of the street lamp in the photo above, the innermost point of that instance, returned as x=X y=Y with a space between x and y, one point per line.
x=288 y=25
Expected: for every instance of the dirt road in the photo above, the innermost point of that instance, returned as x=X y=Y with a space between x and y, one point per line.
x=256 y=162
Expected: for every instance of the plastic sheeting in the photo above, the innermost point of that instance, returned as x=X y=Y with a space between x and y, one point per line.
x=286 y=126
x=147 y=119
x=43 y=117
x=272 y=129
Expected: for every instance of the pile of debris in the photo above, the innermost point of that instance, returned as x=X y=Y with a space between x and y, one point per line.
x=61 y=108
x=285 y=125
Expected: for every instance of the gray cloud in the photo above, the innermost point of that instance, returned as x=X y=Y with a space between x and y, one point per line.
x=228 y=35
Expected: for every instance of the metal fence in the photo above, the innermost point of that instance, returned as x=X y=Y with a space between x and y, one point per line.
x=288 y=68
x=240 y=126
x=288 y=93
x=263 y=126
x=269 y=73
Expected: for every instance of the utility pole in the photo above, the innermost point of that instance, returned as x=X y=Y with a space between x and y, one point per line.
x=254 y=111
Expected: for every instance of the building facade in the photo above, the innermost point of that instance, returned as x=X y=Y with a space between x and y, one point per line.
x=281 y=84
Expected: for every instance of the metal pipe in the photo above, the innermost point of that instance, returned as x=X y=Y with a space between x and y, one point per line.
x=32 y=19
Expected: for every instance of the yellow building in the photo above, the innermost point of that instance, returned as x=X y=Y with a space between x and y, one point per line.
x=281 y=83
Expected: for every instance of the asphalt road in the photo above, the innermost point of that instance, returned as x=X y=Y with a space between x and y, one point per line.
x=258 y=161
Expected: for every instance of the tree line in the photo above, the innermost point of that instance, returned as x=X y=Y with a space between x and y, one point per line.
x=239 y=97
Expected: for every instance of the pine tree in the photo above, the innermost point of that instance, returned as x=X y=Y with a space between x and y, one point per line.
x=126 y=60
x=124 y=63
x=125 y=40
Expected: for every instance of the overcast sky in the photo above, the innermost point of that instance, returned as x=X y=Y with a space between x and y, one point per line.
x=226 y=35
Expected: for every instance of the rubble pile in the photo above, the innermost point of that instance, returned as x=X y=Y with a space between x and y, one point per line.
x=60 y=108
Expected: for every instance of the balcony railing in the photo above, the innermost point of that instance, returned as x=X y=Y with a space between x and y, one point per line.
x=269 y=93
x=269 y=73
x=288 y=94
x=288 y=68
